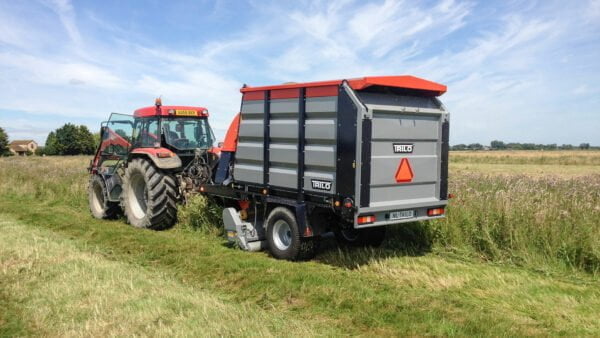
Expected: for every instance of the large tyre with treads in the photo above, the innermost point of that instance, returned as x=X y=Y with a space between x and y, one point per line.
x=283 y=237
x=100 y=206
x=149 y=196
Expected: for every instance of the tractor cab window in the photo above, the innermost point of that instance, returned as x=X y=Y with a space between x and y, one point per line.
x=146 y=133
x=116 y=135
x=188 y=133
x=115 y=141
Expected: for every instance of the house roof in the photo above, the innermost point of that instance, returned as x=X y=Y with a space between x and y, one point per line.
x=21 y=142
x=18 y=147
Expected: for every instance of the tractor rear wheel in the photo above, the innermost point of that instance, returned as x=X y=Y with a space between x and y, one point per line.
x=100 y=206
x=351 y=237
x=149 y=196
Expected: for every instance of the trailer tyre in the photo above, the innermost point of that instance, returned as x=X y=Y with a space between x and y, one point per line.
x=100 y=206
x=283 y=237
x=360 y=237
x=149 y=196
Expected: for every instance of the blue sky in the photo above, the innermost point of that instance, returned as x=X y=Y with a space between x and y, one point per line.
x=525 y=71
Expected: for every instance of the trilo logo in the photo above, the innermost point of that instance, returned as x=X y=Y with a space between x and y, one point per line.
x=321 y=185
x=403 y=148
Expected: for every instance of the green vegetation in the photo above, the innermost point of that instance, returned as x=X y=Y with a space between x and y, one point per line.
x=500 y=145
x=70 y=140
x=3 y=143
x=517 y=255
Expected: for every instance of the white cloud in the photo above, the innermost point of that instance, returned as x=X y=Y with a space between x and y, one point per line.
x=505 y=66
x=51 y=72
x=66 y=13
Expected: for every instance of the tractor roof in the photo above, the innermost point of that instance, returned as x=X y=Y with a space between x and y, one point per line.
x=428 y=88
x=171 y=111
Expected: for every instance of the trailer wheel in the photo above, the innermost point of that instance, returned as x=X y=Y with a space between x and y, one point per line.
x=100 y=206
x=149 y=196
x=360 y=237
x=284 y=238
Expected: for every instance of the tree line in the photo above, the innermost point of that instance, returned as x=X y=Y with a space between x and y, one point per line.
x=500 y=145
x=69 y=139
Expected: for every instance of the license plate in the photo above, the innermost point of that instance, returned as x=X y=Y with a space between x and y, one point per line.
x=394 y=215
x=182 y=112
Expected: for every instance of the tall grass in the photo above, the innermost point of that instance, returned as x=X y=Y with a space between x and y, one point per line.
x=525 y=220
x=541 y=222
x=562 y=157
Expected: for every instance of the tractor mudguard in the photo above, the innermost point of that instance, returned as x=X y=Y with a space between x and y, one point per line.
x=162 y=158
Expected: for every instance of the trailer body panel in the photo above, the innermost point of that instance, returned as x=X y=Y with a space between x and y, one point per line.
x=380 y=146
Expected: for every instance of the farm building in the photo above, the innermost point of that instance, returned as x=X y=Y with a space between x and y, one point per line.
x=21 y=147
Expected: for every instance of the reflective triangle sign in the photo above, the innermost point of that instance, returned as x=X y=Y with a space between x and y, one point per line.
x=404 y=173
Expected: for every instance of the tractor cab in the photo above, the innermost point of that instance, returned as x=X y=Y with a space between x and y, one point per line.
x=181 y=129
x=171 y=136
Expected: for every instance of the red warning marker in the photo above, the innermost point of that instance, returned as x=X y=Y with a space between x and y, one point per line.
x=404 y=173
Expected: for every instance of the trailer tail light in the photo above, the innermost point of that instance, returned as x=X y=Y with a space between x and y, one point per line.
x=435 y=212
x=366 y=219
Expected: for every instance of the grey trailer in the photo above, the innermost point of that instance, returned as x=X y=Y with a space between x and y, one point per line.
x=348 y=156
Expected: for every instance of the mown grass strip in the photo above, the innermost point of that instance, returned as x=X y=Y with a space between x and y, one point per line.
x=363 y=300
x=60 y=290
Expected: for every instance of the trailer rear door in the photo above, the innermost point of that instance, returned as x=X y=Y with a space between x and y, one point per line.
x=404 y=152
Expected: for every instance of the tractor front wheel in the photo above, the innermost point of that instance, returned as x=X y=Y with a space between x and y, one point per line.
x=149 y=196
x=100 y=206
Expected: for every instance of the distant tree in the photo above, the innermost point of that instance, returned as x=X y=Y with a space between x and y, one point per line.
x=51 y=147
x=86 y=141
x=584 y=146
x=40 y=151
x=497 y=145
x=475 y=146
x=96 y=140
x=70 y=140
x=4 y=151
x=459 y=147
x=566 y=147
x=528 y=146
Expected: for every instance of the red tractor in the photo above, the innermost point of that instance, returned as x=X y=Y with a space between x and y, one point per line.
x=148 y=162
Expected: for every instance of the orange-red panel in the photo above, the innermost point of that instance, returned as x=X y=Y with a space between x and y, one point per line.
x=322 y=91
x=404 y=81
x=289 y=93
x=231 y=138
x=254 y=95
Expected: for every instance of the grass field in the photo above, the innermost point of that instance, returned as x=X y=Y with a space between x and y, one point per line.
x=518 y=254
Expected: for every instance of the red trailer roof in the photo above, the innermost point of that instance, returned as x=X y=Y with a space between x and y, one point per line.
x=401 y=81
x=171 y=111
